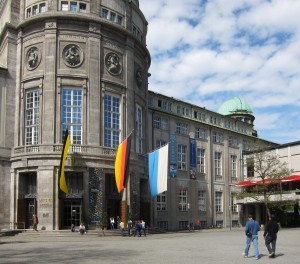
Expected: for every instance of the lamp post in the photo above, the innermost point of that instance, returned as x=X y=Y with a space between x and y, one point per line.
x=230 y=217
x=188 y=207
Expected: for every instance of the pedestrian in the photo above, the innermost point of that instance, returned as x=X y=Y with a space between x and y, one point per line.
x=270 y=235
x=82 y=229
x=136 y=228
x=112 y=223
x=122 y=226
x=35 y=222
x=251 y=231
x=143 y=227
x=198 y=224
x=129 y=227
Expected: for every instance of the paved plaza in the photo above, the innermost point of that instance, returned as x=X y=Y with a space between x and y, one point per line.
x=205 y=246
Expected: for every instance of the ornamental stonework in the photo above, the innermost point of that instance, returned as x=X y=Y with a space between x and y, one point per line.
x=33 y=58
x=113 y=63
x=138 y=77
x=72 y=55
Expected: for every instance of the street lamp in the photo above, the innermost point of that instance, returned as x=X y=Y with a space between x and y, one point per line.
x=188 y=207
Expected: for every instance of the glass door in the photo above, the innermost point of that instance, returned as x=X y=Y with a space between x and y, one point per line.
x=30 y=212
x=71 y=213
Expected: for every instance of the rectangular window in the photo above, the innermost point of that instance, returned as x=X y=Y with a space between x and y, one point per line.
x=181 y=129
x=35 y=10
x=183 y=200
x=164 y=124
x=32 y=107
x=74 y=182
x=42 y=8
x=160 y=143
x=202 y=201
x=250 y=167
x=112 y=16
x=104 y=13
x=234 y=206
x=218 y=164
x=200 y=159
x=200 y=133
x=217 y=137
x=28 y=12
x=156 y=122
x=64 y=6
x=181 y=157
x=72 y=114
x=111 y=121
x=82 y=8
x=219 y=202
x=232 y=141
x=139 y=129
x=160 y=123
x=134 y=30
x=161 y=202
x=162 y=225
x=73 y=6
x=120 y=20
x=233 y=166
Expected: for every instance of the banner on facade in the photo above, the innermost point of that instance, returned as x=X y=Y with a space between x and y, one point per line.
x=173 y=156
x=192 y=158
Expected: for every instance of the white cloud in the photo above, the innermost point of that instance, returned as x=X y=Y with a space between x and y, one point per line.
x=217 y=49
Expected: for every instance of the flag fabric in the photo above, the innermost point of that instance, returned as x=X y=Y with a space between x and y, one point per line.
x=158 y=162
x=122 y=163
x=62 y=178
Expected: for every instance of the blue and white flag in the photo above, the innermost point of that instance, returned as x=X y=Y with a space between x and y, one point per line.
x=158 y=162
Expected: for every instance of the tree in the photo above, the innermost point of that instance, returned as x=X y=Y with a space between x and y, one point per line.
x=268 y=170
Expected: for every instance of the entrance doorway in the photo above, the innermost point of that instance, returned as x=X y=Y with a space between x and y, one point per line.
x=30 y=212
x=72 y=212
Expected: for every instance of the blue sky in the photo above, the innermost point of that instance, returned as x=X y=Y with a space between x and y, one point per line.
x=207 y=51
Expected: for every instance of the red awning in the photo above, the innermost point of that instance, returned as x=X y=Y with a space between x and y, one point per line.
x=248 y=183
x=291 y=178
x=245 y=184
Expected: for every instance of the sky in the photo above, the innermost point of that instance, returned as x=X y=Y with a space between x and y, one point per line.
x=207 y=51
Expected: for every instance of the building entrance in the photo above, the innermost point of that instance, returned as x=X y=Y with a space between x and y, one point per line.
x=30 y=212
x=72 y=213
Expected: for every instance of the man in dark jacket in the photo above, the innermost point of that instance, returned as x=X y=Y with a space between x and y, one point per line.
x=270 y=235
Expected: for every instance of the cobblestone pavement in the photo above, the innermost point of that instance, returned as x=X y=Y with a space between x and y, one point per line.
x=205 y=246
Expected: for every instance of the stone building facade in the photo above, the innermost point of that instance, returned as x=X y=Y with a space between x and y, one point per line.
x=83 y=65
x=205 y=160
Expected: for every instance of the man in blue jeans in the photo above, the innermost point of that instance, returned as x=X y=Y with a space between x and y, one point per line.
x=251 y=231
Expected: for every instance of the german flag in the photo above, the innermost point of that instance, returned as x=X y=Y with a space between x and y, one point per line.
x=62 y=179
x=122 y=163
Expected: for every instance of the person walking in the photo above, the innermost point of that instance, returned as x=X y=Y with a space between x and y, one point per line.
x=270 y=235
x=122 y=227
x=112 y=223
x=136 y=228
x=129 y=227
x=251 y=231
x=143 y=227
x=35 y=222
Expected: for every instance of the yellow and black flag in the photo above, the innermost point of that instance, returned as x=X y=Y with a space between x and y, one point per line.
x=62 y=179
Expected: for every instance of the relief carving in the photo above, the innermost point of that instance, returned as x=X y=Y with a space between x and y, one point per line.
x=113 y=64
x=72 y=55
x=138 y=77
x=33 y=58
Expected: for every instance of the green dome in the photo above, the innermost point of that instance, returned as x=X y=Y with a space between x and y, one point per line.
x=136 y=2
x=235 y=105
